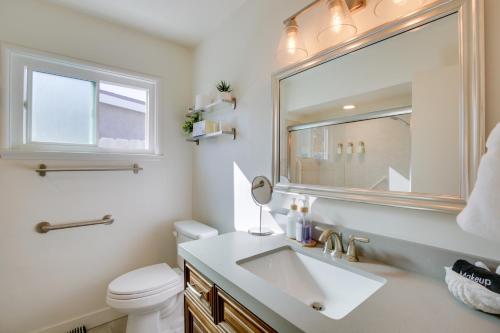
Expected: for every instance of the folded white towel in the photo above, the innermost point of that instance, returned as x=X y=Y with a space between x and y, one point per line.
x=481 y=216
x=472 y=293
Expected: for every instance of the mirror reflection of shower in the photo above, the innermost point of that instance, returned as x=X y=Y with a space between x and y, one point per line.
x=369 y=151
x=401 y=120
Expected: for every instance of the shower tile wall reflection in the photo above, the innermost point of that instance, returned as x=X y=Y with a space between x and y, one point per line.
x=383 y=164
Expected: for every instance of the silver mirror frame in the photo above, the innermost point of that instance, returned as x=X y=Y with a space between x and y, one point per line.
x=472 y=104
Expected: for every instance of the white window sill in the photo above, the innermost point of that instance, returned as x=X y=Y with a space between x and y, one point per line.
x=80 y=156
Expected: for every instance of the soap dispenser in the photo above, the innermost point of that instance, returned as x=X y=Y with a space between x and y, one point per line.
x=298 y=227
x=293 y=217
x=306 y=223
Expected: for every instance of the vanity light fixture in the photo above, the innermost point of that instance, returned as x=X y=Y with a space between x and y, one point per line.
x=390 y=9
x=291 y=47
x=349 y=107
x=339 y=27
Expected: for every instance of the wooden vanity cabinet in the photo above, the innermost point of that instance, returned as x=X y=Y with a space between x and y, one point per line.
x=195 y=319
x=208 y=309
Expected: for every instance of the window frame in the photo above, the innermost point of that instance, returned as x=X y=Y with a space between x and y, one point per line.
x=18 y=65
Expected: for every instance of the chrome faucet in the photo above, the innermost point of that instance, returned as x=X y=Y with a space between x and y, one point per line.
x=333 y=242
x=351 y=248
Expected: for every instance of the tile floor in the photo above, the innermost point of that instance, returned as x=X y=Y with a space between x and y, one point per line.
x=116 y=326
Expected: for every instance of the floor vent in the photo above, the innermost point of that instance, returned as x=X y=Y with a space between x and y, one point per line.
x=81 y=329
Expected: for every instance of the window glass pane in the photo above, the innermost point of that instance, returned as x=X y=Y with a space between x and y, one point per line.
x=62 y=109
x=122 y=117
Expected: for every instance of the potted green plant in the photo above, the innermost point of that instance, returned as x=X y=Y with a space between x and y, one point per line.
x=187 y=127
x=225 y=90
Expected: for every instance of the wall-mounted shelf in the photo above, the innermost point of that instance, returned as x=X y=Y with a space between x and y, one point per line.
x=197 y=139
x=213 y=106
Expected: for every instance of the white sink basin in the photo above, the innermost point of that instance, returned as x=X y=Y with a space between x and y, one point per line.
x=336 y=290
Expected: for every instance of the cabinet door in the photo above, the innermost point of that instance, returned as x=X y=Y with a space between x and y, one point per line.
x=196 y=321
x=200 y=288
x=231 y=316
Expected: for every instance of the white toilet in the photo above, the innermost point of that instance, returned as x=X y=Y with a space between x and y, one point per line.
x=152 y=296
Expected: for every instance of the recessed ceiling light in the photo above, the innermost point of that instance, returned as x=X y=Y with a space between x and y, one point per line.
x=349 y=107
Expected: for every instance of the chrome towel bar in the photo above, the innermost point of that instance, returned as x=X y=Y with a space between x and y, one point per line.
x=44 y=227
x=42 y=169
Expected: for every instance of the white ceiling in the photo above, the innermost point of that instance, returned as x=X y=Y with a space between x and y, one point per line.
x=183 y=21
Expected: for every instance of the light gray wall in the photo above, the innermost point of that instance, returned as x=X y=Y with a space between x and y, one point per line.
x=244 y=54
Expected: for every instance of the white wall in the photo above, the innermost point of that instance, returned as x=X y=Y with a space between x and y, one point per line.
x=435 y=141
x=47 y=279
x=243 y=52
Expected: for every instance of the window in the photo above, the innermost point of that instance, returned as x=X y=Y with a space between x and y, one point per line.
x=60 y=105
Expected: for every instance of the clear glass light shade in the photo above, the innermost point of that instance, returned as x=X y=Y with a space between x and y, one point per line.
x=390 y=9
x=339 y=26
x=291 y=47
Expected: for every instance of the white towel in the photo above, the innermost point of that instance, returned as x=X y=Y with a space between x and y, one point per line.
x=481 y=216
x=472 y=293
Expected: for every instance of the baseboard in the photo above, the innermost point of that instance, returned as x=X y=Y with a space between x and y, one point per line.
x=90 y=320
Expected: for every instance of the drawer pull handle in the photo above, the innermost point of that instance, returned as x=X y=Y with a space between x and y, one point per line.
x=194 y=291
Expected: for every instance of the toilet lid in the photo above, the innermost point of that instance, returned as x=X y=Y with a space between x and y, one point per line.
x=194 y=229
x=144 y=280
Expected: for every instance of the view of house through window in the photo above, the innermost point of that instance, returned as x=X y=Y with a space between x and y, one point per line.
x=122 y=117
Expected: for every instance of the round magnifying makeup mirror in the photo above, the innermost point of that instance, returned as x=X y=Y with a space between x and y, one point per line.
x=262 y=193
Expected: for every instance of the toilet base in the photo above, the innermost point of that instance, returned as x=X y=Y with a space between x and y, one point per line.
x=144 y=323
x=168 y=319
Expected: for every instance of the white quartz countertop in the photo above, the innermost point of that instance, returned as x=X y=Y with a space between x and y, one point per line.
x=408 y=302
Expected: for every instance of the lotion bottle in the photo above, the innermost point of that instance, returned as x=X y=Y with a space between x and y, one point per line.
x=306 y=224
x=298 y=227
x=292 y=218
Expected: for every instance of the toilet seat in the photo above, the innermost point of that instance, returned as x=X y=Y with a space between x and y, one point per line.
x=144 y=303
x=144 y=288
x=144 y=281
x=174 y=286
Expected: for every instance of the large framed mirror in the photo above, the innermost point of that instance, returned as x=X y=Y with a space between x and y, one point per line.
x=393 y=117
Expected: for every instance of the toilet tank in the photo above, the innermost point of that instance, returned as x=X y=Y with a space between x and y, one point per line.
x=189 y=230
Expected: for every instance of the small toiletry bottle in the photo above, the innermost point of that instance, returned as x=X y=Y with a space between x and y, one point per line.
x=306 y=224
x=298 y=227
x=292 y=218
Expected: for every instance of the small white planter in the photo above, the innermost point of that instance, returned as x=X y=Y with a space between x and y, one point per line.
x=202 y=101
x=226 y=96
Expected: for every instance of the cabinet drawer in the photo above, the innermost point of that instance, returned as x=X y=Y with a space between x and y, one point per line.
x=195 y=319
x=199 y=288
x=231 y=316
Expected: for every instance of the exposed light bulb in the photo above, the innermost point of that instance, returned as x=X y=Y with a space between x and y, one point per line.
x=291 y=42
x=336 y=24
x=349 y=107
x=291 y=48
x=340 y=25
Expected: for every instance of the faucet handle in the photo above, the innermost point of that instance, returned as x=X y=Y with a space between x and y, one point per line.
x=338 y=248
x=326 y=237
x=351 y=249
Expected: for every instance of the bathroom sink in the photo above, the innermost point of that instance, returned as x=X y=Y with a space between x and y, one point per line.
x=329 y=287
